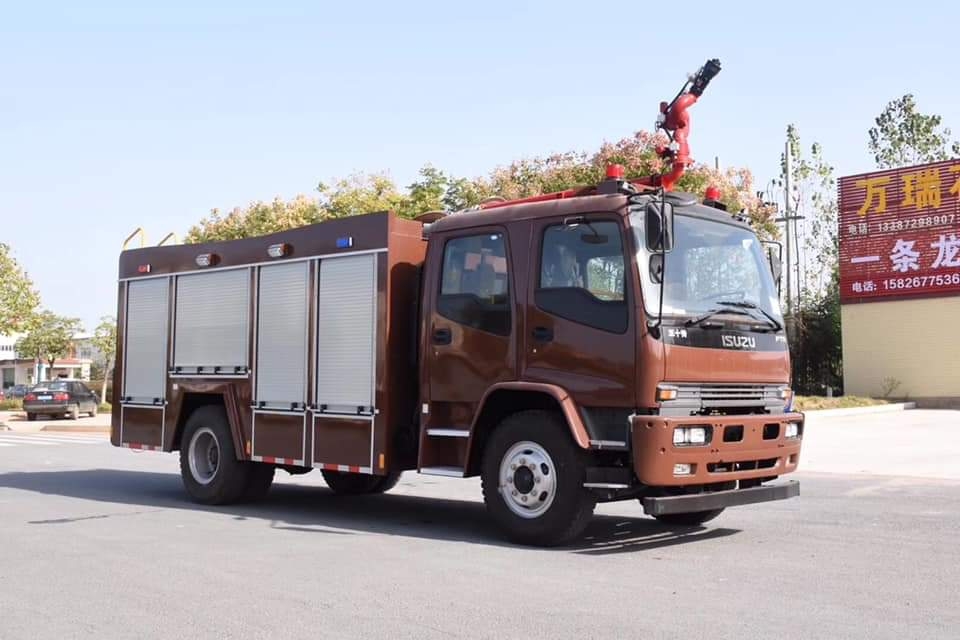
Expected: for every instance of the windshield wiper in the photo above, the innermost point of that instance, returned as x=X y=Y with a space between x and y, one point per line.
x=746 y=304
x=712 y=312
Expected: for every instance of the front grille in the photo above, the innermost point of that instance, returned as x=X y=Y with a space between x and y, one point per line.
x=719 y=396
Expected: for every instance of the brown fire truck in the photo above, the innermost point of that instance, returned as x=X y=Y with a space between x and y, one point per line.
x=615 y=342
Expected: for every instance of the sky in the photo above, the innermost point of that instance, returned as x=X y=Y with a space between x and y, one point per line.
x=115 y=115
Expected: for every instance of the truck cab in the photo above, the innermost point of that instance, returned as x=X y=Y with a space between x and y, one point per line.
x=658 y=353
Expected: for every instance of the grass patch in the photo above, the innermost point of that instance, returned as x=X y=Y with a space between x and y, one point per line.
x=813 y=403
x=11 y=404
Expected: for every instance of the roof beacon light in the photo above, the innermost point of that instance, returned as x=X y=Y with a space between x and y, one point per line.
x=615 y=172
x=345 y=243
x=143 y=268
x=712 y=193
x=207 y=259
x=278 y=250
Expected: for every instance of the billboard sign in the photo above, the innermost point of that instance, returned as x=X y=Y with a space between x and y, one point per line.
x=900 y=233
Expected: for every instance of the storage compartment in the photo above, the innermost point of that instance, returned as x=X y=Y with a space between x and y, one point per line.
x=279 y=438
x=141 y=427
x=346 y=335
x=281 y=369
x=145 y=344
x=343 y=442
x=212 y=323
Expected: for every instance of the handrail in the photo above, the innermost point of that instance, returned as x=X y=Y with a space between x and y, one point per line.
x=172 y=234
x=137 y=231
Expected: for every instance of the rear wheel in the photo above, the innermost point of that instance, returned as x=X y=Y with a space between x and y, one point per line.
x=31 y=417
x=355 y=484
x=74 y=412
x=93 y=412
x=689 y=519
x=533 y=476
x=209 y=467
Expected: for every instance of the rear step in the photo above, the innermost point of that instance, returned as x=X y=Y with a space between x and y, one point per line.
x=452 y=472
x=449 y=433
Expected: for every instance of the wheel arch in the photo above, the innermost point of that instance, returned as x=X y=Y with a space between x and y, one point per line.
x=505 y=398
x=190 y=401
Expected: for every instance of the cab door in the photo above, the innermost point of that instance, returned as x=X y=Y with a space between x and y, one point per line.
x=580 y=319
x=469 y=342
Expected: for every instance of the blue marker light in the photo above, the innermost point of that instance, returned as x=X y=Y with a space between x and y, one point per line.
x=345 y=243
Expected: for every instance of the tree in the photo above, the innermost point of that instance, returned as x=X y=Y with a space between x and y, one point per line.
x=903 y=136
x=50 y=339
x=105 y=342
x=436 y=190
x=18 y=298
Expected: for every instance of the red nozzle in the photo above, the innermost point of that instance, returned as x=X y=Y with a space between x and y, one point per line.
x=615 y=172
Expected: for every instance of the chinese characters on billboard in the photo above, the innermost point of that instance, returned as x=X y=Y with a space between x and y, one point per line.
x=900 y=233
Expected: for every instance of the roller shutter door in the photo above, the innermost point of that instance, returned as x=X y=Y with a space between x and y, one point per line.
x=346 y=334
x=212 y=321
x=281 y=371
x=145 y=347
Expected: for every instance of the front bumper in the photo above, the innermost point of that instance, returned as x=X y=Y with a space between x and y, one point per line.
x=663 y=505
x=753 y=456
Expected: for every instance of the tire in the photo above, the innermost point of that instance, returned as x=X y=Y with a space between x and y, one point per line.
x=259 y=482
x=209 y=467
x=31 y=417
x=357 y=484
x=691 y=519
x=93 y=412
x=74 y=412
x=562 y=511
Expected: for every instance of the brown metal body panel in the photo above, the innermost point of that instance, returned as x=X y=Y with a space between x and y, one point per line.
x=142 y=426
x=344 y=442
x=725 y=365
x=397 y=390
x=368 y=232
x=118 y=366
x=654 y=453
x=564 y=400
x=236 y=397
x=282 y=436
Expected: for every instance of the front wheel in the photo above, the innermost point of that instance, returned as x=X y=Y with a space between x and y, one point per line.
x=533 y=477
x=74 y=412
x=93 y=412
x=691 y=519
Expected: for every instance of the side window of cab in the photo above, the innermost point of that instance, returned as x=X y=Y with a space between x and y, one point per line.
x=475 y=284
x=582 y=275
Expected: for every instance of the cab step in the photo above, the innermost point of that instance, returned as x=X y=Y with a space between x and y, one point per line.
x=450 y=472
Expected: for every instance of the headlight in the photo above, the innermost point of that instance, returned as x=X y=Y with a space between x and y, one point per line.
x=786 y=394
x=792 y=431
x=691 y=436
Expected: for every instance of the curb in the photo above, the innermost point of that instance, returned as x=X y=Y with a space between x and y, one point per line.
x=856 y=411
x=4 y=427
x=80 y=428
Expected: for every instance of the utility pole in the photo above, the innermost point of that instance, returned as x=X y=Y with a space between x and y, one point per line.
x=786 y=201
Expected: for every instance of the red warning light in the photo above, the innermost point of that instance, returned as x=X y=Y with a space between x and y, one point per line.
x=615 y=172
x=712 y=193
x=143 y=268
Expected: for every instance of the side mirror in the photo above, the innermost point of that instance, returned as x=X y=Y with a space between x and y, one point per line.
x=656 y=268
x=659 y=226
x=774 y=253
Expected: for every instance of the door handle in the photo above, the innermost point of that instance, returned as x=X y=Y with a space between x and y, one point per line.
x=542 y=334
x=442 y=336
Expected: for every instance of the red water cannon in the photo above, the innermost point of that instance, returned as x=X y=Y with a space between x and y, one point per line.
x=675 y=121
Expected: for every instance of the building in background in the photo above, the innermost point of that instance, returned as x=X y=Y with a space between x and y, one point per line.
x=900 y=283
x=15 y=369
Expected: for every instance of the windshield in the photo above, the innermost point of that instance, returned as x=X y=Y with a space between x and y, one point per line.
x=711 y=262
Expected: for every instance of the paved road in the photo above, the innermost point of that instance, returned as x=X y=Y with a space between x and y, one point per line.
x=99 y=542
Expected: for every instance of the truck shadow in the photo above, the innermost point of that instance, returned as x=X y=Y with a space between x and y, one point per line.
x=317 y=510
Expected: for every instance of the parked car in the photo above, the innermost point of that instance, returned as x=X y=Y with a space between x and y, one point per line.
x=17 y=391
x=3 y=395
x=60 y=398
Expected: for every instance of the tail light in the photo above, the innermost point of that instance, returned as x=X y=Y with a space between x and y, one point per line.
x=30 y=397
x=61 y=397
